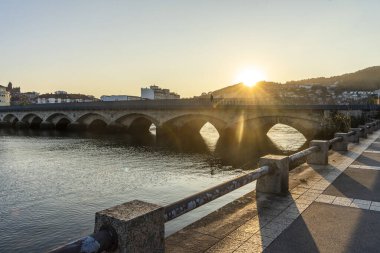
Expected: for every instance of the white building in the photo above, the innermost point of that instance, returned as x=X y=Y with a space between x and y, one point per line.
x=106 y=98
x=155 y=92
x=5 y=97
x=64 y=98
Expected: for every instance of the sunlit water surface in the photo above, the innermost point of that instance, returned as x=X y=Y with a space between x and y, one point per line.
x=51 y=186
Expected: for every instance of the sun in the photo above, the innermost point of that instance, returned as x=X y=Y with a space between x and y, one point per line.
x=250 y=76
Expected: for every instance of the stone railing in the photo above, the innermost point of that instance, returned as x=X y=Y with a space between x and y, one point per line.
x=139 y=226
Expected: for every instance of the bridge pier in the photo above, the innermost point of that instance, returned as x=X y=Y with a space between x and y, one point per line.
x=46 y=125
x=116 y=127
x=75 y=126
x=5 y=124
x=21 y=125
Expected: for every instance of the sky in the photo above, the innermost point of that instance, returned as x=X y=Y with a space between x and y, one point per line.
x=104 y=47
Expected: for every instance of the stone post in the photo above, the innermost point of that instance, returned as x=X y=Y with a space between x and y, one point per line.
x=343 y=144
x=376 y=123
x=356 y=136
x=321 y=157
x=374 y=126
x=365 y=131
x=369 y=128
x=140 y=226
x=277 y=181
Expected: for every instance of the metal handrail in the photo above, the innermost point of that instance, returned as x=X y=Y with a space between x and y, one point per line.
x=336 y=139
x=185 y=205
x=299 y=155
x=104 y=240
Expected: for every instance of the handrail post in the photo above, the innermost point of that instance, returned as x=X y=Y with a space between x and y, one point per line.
x=355 y=138
x=376 y=122
x=277 y=180
x=341 y=145
x=374 y=126
x=365 y=131
x=320 y=157
x=369 y=128
x=140 y=226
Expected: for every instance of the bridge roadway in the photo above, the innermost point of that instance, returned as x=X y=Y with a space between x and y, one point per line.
x=332 y=208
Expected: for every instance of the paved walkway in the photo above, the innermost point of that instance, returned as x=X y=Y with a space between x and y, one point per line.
x=333 y=208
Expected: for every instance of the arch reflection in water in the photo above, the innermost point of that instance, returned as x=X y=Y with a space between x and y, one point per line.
x=285 y=138
x=210 y=135
x=153 y=129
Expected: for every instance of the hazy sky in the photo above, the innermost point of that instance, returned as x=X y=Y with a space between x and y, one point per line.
x=116 y=47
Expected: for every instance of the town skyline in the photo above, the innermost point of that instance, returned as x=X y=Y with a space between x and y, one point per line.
x=192 y=47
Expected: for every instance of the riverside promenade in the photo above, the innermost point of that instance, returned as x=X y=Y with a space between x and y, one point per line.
x=332 y=208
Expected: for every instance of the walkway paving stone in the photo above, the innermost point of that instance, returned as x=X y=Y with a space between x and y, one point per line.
x=329 y=228
x=332 y=208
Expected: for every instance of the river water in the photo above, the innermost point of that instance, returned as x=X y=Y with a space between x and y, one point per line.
x=51 y=184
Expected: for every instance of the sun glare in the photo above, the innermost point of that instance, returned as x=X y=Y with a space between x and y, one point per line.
x=250 y=77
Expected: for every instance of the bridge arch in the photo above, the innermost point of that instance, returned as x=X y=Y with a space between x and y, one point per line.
x=137 y=122
x=10 y=118
x=183 y=131
x=32 y=120
x=59 y=120
x=88 y=118
x=309 y=128
x=194 y=123
x=93 y=121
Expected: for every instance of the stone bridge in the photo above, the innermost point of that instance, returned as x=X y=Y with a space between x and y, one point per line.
x=178 y=121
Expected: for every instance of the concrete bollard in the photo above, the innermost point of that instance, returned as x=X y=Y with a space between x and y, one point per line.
x=140 y=226
x=355 y=138
x=369 y=128
x=365 y=131
x=277 y=181
x=374 y=126
x=343 y=144
x=321 y=157
x=376 y=123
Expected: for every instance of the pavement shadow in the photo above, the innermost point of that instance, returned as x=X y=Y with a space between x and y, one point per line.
x=276 y=214
x=355 y=183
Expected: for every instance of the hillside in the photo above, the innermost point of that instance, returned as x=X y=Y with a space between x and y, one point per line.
x=242 y=91
x=365 y=79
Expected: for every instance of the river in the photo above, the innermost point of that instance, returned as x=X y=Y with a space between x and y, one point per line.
x=52 y=183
